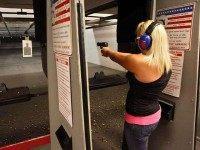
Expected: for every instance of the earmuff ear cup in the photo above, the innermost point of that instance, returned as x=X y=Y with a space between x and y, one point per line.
x=144 y=42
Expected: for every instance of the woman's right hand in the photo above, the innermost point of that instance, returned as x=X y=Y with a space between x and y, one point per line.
x=105 y=51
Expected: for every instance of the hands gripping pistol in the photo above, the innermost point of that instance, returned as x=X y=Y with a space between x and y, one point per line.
x=102 y=44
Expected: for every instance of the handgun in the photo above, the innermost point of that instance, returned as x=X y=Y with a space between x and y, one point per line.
x=102 y=44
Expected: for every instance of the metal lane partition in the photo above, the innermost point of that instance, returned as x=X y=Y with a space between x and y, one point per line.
x=64 y=133
x=180 y=133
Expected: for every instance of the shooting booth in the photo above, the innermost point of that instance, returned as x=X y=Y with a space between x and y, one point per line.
x=91 y=117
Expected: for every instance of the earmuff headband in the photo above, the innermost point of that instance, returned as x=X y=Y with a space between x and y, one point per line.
x=151 y=27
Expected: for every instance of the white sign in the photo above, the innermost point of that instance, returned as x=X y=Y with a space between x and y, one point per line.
x=61 y=25
x=174 y=85
x=27 y=48
x=64 y=87
x=178 y=24
x=62 y=47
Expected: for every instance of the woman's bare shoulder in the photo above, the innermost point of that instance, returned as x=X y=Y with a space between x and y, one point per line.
x=138 y=58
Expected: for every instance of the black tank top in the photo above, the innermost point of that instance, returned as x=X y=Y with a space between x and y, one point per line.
x=142 y=98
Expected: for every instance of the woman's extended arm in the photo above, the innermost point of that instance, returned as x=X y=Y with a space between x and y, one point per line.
x=126 y=60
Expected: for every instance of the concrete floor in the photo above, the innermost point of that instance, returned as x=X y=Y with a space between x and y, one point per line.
x=23 y=121
x=107 y=112
x=107 y=117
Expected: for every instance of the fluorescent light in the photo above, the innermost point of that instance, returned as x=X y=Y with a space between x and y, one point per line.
x=28 y=10
x=113 y=20
x=86 y=26
x=100 y=15
x=17 y=16
x=15 y=10
x=9 y=9
x=90 y=18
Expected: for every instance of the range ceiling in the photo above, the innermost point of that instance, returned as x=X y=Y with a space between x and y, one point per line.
x=15 y=26
x=91 y=4
x=16 y=3
x=28 y=3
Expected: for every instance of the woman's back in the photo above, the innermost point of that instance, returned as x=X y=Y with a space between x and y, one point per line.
x=142 y=98
x=144 y=72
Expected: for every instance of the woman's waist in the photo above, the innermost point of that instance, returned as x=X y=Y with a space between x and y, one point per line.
x=144 y=93
x=143 y=120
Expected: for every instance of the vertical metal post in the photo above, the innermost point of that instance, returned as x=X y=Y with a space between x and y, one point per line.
x=153 y=9
x=84 y=76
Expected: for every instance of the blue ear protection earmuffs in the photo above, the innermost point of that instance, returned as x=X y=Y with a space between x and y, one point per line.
x=144 y=41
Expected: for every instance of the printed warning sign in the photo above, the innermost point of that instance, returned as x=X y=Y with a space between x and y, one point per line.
x=178 y=24
x=174 y=85
x=61 y=26
x=62 y=47
x=64 y=87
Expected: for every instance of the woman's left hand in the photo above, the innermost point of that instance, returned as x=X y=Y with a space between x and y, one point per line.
x=105 y=51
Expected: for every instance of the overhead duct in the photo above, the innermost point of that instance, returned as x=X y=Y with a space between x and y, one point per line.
x=128 y=18
x=3 y=20
x=101 y=7
x=40 y=29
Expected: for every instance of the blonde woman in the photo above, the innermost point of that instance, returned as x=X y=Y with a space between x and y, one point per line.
x=148 y=74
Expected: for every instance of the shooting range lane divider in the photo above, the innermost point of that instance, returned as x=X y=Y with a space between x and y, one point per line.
x=16 y=95
x=181 y=20
x=100 y=80
x=84 y=77
x=29 y=144
x=66 y=42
